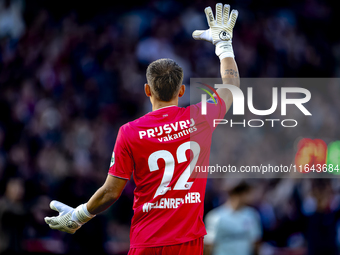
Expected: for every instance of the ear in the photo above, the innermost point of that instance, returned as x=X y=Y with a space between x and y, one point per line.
x=147 y=90
x=181 y=91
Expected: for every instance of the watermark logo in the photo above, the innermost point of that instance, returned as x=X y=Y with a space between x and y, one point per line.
x=239 y=103
x=212 y=98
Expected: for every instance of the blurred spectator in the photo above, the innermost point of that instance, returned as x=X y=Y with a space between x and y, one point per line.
x=322 y=214
x=11 y=18
x=234 y=227
x=12 y=218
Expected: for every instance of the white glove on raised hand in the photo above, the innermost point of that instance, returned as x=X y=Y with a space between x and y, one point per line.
x=69 y=219
x=220 y=32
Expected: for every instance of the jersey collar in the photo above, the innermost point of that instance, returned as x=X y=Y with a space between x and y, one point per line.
x=164 y=107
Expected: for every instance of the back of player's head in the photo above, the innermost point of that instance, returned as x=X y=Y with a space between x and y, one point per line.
x=165 y=78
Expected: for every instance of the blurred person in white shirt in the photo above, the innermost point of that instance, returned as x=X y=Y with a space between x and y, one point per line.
x=233 y=228
x=11 y=18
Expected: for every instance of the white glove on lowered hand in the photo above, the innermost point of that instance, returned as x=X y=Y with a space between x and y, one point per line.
x=69 y=219
x=220 y=32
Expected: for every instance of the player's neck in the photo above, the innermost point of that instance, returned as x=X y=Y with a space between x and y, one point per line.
x=234 y=203
x=161 y=104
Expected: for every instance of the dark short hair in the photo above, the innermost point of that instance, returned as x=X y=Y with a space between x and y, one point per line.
x=242 y=188
x=165 y=78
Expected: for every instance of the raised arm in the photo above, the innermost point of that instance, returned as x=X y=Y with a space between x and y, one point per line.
x=220 y=33
x=230 y=75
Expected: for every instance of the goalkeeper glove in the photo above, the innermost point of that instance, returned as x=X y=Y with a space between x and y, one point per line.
x=220 y=32
x=69 y=219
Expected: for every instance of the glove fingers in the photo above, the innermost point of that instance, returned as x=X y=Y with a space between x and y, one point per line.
x=210 y=16
x=60 y=207
x=57 y=227
x=233 y=18
x=197 y=34
x=62 y=229
x=226 y=10
x=202 y=35
x=219 y=8
x=50 y=221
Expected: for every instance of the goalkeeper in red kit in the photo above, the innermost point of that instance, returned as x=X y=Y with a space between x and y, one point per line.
x=168 y=200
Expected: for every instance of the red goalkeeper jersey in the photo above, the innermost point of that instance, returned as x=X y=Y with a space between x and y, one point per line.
x=161 y=150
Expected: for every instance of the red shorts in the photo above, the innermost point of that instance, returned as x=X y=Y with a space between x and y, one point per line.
x=194 y=247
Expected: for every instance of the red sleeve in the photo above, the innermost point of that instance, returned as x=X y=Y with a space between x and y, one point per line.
x=214 y=111
x=122 y=163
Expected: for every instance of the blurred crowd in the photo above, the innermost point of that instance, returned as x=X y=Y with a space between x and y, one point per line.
x=68 y=81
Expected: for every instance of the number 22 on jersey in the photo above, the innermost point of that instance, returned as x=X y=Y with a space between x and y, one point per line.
x=182 y=182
